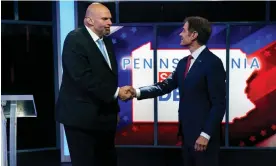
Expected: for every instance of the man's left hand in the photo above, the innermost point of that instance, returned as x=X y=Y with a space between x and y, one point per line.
x=201 y=144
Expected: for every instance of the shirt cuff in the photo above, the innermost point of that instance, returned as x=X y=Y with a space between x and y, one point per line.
x=138 y=92
x=205 y=135
x=116 y=93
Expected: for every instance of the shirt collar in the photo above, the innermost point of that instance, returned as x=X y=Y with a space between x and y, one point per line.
x=196 y=53
x=93 y=35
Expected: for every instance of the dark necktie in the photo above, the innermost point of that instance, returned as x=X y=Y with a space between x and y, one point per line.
x=190 y=57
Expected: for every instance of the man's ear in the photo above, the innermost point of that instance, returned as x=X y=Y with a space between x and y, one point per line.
x=195 y=35
x=90 y=21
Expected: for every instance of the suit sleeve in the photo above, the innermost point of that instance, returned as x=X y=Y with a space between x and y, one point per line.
x=75 y=62
x=217 y=94
x=158 y=89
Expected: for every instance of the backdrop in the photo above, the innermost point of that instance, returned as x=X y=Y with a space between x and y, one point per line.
x=148 y=53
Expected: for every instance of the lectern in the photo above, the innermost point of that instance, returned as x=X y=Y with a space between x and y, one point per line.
x=3 y=142
x=16 y=106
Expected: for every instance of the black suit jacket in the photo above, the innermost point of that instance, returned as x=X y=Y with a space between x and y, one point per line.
x=86 y=97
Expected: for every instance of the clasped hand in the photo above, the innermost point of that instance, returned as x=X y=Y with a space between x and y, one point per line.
x=127 y=93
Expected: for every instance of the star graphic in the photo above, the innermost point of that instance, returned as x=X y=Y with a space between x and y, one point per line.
x=252 y=138
x=134 y=128
x=263 y=132
x=273 y=127
x=114 y=41
x=125 y=118
x=267 y=53
x=133 y=29
x=242 y=143
x=123 y=35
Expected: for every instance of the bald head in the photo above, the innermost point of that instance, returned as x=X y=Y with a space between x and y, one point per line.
x=98 y=19
x=95 y=8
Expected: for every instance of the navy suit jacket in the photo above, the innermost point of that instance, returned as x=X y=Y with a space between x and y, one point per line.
x=202 y=96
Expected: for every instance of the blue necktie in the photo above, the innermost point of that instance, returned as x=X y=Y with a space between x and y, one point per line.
x=101 y=44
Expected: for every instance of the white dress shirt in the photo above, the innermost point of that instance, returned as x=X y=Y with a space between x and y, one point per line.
x=95 y=37
x=195 y=54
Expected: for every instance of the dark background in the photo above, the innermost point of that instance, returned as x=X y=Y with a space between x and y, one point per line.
x=28 y=52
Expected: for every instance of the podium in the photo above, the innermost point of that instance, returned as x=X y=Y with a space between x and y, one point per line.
x=13 y=107
x=3 y=139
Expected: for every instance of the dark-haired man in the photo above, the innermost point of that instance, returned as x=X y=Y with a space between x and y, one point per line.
x=200 y=78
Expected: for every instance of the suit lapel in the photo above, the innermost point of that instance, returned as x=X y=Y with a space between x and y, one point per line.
x=108 y=45
x=193 y=70
x=196 y=65
x=97 y=52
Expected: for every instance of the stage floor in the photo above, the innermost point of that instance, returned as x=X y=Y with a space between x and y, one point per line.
x=155 y=156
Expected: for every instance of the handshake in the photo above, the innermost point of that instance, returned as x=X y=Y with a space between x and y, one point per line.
x=127 y=93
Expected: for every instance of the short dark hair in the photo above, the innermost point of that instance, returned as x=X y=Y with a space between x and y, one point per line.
x=202 y=26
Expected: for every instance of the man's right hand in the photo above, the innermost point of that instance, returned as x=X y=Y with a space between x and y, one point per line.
x=127 y=93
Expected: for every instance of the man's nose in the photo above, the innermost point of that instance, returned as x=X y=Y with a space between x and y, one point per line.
x=109 y=22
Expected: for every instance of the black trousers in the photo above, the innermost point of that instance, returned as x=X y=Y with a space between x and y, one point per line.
x=91 y=148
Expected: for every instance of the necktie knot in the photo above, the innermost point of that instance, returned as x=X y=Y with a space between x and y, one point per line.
x=190 y=57
x=100 y=42
x=101 y=47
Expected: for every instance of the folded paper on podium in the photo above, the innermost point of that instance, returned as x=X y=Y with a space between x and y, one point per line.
x=13 y=107
x=25 y=106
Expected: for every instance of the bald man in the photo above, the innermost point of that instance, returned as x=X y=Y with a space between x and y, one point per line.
x=87 y=105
